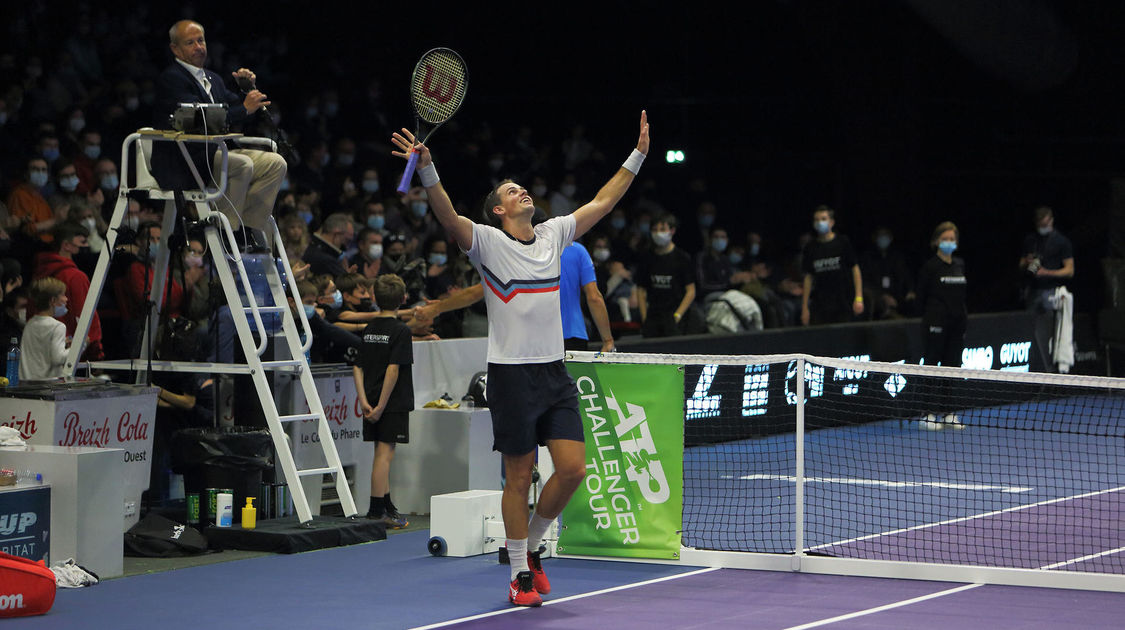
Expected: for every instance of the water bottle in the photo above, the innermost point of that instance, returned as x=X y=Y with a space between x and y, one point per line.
x=27 y=477
x=13 y=373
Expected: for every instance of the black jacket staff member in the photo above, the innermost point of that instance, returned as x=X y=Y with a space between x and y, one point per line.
x=941 y=292
x=254 y=176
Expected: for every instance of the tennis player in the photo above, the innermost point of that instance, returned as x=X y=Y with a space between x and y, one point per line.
x=532 y=398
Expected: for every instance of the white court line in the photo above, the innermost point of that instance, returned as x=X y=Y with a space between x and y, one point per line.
x=514 y=609
x=1064 y=563
x=855 y=481
x=905 y=602
x=965 y=518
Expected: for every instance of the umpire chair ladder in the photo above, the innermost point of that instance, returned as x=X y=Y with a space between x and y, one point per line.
x=246 y=313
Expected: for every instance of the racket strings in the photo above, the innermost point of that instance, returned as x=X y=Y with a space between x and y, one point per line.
x=439 y=86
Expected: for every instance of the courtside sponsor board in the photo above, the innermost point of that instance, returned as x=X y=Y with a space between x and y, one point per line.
x=631 y=502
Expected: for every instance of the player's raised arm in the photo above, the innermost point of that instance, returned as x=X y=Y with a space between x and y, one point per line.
x=589 y=214
x=457 y=226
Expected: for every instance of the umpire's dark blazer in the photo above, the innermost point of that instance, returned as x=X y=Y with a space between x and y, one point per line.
x=174 y=86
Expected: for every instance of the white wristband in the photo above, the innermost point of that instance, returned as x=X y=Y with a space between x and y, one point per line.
x=428 y=176
x=634 y=161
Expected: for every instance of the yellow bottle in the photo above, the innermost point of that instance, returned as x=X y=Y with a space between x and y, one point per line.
x=249 y=514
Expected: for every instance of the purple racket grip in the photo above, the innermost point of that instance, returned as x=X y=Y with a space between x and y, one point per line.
x=408 y=174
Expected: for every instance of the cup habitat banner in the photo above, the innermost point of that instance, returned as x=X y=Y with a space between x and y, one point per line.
x=631 y=501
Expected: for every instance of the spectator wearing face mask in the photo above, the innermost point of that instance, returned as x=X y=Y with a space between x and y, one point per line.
x=665 y=283
x=418 y=224
x=27 y=202
x=139 y=282
x=369 y=252
x=325 y=253
x=69 y=239
x=696 y=238
x=85 y=158
x=1048 y=260
x=887 y=281
x=562 y=201
x=714 y=271
x=411 y=269
x=68 y=198
x=43 y=347
x=106 y=180
x=615 y=281
x=833 y=284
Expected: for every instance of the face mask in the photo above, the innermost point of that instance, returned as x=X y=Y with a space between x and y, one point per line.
x=376 y=221
x=132 y=103
x=438 y=260
x=419 y=208
x=661 y=238
x=331 y=109
x=883 y=242
x=567 y=190
x=90 y=224
x=285 y=184
x=311 y=112
x=68 y=184
x=707 y=220
x=37 y=178
x=735 y=258
x=110 y=182
x=77 y=124
x=193 y=260
x=821 y=227
x=1044 y=231
x=132 y=222
x=325 y=159
x=601 y=254
x=643 y=226
x=337 y=299
x=153 y=250
x=719 y=244
x=22 y=316
x=3 y=117
x=617 y=224
x=947 y=247
x=365 y=304
x=375 y=251
x=92 y=151
x=755 y=249
x=370 y=186
x=307 y=217
x=310 y=310
x=60 y=310
x=51 y=154
x=539 y=190
x=346 y=159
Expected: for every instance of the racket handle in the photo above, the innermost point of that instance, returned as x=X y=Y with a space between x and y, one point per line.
x=408 y=174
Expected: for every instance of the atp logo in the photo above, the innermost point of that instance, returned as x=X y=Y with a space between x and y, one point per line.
x=639 y=450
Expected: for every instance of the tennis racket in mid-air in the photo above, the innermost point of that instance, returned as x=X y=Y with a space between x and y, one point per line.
x=437 y=89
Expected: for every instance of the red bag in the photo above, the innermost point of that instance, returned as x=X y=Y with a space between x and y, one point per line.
x=26 y=587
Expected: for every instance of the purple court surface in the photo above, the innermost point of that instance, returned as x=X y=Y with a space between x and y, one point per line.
x=396 y=584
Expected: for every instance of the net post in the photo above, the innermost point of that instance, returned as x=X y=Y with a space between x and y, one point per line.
x=799 y=471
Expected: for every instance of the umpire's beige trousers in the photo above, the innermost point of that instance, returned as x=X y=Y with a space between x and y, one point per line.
x=253 y=179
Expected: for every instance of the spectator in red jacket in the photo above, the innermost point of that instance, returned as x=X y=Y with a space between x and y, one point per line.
x=69 y=239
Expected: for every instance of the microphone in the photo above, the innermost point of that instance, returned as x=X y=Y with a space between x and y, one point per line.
x=246 y=84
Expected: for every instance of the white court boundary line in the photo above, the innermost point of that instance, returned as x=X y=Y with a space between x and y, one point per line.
x=884 y=483
x=870 y=611
x=603 y=591
x=962 y=519
x=1108 y=552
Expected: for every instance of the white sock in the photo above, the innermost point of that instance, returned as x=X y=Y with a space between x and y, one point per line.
x=536 y=529
x=517 y=556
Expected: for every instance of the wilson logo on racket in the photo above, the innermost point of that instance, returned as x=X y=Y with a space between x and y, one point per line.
x=445 y=91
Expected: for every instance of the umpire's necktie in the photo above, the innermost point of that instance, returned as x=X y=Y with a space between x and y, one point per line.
x=207 y=88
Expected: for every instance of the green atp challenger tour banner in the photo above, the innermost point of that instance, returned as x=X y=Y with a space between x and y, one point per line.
x=631 y=502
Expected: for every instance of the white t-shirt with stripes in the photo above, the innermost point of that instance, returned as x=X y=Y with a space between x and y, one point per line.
x=521 y=289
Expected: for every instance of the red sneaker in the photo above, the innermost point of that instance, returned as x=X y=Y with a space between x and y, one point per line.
x=521 y=591
x=539 y=578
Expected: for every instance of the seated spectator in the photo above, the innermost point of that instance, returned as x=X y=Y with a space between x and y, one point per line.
x=714 y=271
x=615 y=281
x=369 y=252
x=68 y=240
x=138 y=283
x=412 y=270
x=27 y=203
x=331 y=344
x=43 y=348
x=325 y=253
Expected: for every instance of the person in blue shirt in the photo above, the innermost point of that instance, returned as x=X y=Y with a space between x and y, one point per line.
x=578 y=279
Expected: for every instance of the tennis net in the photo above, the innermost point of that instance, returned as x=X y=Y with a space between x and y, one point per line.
x=845 y=458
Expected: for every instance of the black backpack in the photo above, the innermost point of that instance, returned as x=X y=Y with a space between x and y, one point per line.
x=157 y=537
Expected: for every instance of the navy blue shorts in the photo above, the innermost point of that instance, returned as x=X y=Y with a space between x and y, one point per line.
x=530 y=404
